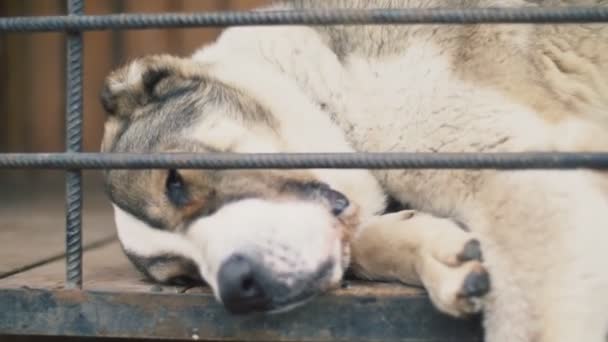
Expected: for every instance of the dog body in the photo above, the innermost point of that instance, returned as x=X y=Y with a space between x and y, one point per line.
x=283 y=236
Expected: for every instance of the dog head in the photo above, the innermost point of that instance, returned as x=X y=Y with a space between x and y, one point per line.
x=263 y=240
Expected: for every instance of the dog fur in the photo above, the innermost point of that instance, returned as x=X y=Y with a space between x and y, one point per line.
x=417 y=88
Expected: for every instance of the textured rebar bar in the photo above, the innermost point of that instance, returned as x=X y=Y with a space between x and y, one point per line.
x=577 y=14
x=536 y=160
x=74 y=56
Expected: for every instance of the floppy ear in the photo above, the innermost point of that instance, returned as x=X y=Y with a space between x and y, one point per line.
x=137 y=84
x=145 y=80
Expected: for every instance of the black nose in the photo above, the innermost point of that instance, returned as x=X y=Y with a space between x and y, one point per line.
x=240 y=286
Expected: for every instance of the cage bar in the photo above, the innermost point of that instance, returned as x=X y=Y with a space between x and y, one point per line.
x=73 y=120
x=526 y=15
x=354 y=160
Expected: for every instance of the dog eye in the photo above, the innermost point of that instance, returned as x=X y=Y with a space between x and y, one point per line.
x=339 y=202
x=175 y=189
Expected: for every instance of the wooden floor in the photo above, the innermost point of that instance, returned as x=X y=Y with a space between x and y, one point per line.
x=116 y=302
x=32 y=219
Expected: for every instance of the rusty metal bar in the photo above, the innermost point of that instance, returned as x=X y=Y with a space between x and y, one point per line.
x=360 y=313
x=545 y=15
x=413 y=160
x=74 y=55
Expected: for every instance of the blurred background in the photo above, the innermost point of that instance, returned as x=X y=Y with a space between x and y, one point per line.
x=32 y=66
x=32 y=106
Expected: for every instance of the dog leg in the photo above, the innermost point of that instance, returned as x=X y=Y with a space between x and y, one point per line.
x=544 y=237
x=420 y=249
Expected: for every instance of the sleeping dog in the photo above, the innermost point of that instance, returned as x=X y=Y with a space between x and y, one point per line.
x=268 y=240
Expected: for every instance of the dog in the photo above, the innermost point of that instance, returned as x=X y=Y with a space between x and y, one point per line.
x=526 y=248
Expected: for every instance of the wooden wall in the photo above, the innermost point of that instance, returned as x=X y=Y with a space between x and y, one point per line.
x=32 y=66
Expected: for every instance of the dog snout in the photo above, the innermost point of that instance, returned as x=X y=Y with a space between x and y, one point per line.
x=241 y=287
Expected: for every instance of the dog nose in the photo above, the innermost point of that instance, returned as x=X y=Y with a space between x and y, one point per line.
x=240 y=286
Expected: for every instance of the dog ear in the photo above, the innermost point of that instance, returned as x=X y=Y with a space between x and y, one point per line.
x=139 y=83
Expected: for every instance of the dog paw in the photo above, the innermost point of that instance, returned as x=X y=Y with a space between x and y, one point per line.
x=460 y=290
x=458 y=280
x=417 y=248
x=469 y=299
x=476 y=283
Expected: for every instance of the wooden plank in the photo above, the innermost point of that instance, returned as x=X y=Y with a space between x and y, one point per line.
x=116 y=303
x=46 y=84
x=32 y=220
x=99 y=49
x=248 y=4
x=138 y=43
x=14 y=85
x=190 y=39
x=5 y=120
x=104 y=269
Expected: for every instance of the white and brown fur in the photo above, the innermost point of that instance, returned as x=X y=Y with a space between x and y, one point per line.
x=422 y=88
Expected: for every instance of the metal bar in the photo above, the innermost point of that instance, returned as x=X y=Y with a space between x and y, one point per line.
x=361 y=313
x=418 y=160
x=74 y=145
x=546 y=15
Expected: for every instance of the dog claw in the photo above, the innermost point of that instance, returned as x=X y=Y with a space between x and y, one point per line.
x=471 y=251
x=476 y=284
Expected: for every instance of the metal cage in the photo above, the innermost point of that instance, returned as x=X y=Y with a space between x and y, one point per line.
x=73 y=161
